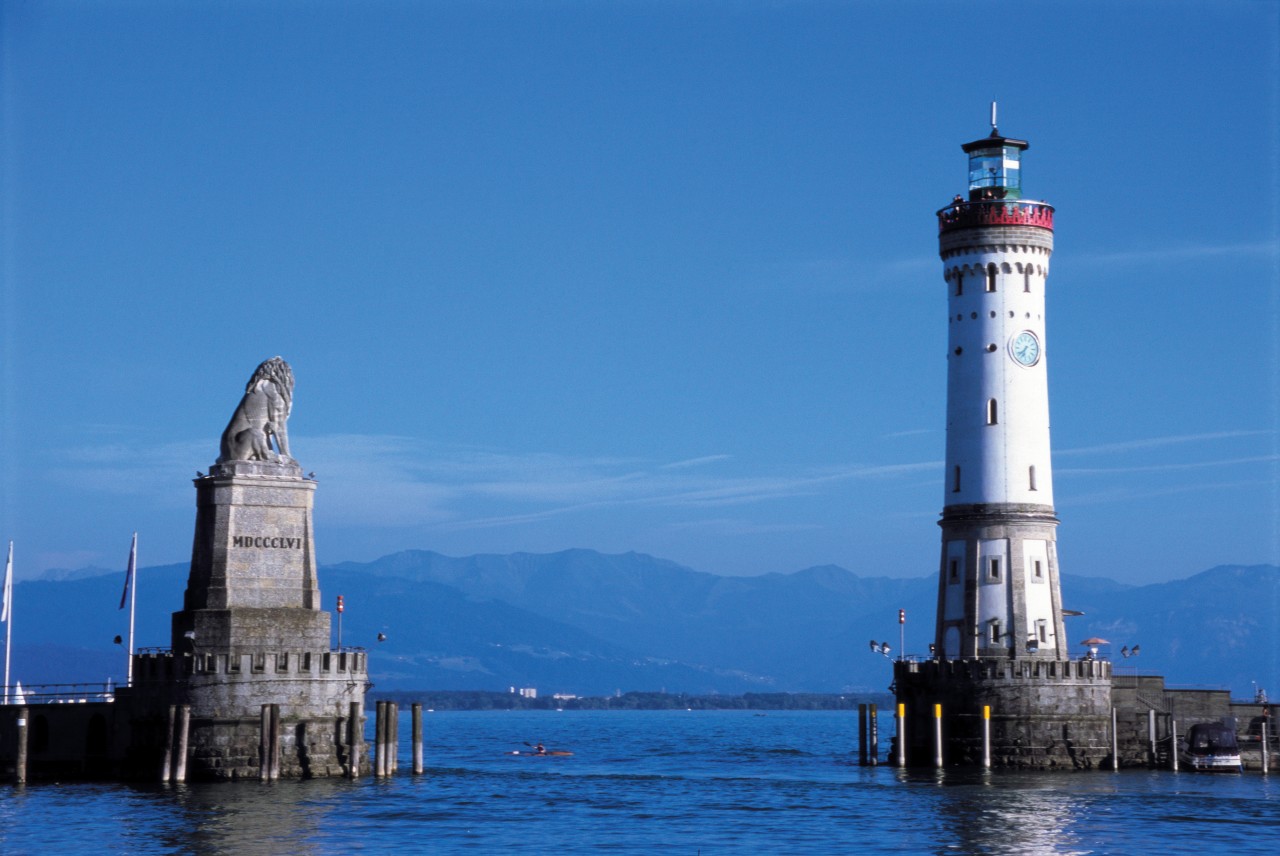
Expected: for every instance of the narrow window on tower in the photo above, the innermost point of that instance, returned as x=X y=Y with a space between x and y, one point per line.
x=1042 y=630
x=1026 y=280
x=991 y=277
x=955 y=481
x=1038 y=570
x=992 y=412
x=995 y=632
x=1031 y=477
x=954 y=573
x=993 y=570
x=959 y=283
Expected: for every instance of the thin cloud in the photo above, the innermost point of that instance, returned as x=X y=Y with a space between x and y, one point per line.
x=399 y=481
x=696 y=462
x=1156 y=442
x=1127 y=494
x=1174 y=467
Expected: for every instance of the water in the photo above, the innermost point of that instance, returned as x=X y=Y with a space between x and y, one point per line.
x=669 y=781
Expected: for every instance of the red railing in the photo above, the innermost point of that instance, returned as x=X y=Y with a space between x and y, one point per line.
x=967 y=215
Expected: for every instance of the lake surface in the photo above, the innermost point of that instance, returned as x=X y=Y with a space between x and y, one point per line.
x=662 y=781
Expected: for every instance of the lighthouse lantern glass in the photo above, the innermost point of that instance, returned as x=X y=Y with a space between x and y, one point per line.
x=995 y=172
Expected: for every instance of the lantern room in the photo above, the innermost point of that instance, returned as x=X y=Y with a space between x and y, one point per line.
x=995 y=167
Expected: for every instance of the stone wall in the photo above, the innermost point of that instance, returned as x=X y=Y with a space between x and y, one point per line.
x=1043 y=713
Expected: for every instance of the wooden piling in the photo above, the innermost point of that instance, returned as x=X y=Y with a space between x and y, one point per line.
x=264 y=744
x=1173 y=744
x=20 y=755
x=873 y=735
x=417 y=738
x=1115 y=743
x=180 y=743
x=393 y=739
x=862 y=735
x=275 y=742
x=378 y=725
x=1266 y=750
x=166 y=765
x=1151 y=734
x=355 y=736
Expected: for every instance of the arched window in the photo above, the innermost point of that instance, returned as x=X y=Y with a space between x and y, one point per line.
x=959 y=283
x=1026 y=279
x=955 y=487
x=1031 y=477
x=992 y=412
x=991 y=277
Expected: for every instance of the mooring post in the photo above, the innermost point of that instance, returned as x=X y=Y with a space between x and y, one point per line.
x=393 y=738
x=275 y=742
x=986 y=736
x=1115 y=743
x=862 y=735
x=379 y=739
x=20 y=756
x=1173 y=744
x=180 y=743
x=166 y=765
x=1151 y=733
x=417 y=738
x=354 y=738
x=937 y=735
x=264 y=744
x=873 y=735
x=1266 y=750
x=902 y=735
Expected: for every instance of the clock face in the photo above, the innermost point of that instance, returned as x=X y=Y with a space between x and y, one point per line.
x=1025 y=348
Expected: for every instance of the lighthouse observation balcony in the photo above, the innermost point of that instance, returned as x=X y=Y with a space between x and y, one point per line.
x=996 y=212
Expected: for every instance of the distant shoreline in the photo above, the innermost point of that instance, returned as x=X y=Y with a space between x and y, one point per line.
x=486 y=700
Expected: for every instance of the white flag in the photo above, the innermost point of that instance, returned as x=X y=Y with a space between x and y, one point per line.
x=8 y=585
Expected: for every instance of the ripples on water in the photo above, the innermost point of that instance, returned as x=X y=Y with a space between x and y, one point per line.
x=681 y=782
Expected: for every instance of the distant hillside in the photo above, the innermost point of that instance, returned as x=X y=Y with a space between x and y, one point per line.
x=591 y=624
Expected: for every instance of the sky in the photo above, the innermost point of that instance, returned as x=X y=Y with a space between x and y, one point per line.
x=655 y=276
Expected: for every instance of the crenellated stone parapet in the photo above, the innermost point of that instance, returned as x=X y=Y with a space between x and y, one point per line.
x=1043 y=713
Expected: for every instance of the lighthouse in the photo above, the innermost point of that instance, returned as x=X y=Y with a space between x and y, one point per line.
x=998 y=586
x=1000 y=685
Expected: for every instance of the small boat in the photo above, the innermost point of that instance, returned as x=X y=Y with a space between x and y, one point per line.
x=556 y=753
x=1212 y=747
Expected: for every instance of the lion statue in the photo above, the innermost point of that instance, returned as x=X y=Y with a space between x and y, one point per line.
x=260 y=419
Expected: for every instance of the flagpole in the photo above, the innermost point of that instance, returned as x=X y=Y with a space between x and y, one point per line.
x=133 y=599
x=7 y=615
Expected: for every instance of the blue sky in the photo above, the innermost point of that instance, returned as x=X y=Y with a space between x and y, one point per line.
x=652 y=276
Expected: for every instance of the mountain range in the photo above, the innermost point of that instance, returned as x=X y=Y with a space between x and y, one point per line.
x=586 y=623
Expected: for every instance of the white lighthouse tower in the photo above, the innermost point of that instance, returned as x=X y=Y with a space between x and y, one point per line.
x=1001 y=656
x=998 y=587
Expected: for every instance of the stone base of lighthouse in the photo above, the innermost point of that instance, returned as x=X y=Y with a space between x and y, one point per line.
x=1044 y=713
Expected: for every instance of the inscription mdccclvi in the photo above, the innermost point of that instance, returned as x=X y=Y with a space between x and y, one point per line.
x=266 y=542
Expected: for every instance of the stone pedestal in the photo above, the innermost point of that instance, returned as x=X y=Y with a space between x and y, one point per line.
x=253 y=568
x=252 y=637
